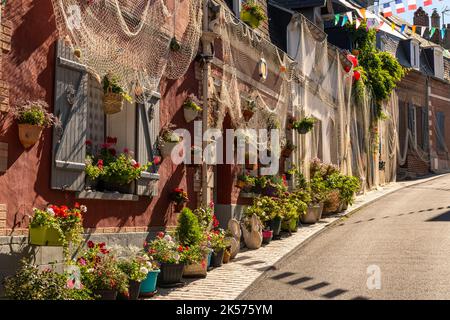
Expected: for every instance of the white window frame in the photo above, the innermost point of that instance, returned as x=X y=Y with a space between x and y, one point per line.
x=415 y=54
x=438 y=62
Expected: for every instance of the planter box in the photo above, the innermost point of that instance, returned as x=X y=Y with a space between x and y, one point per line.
x=44 y=236
x=197 y=270
x=115 y=187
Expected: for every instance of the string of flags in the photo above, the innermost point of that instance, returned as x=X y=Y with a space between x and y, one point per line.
x=377 y=23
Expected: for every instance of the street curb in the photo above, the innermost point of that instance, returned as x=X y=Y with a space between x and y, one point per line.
x=339 y=219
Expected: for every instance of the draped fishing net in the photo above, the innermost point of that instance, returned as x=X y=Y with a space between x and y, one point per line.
x=239 y=84
x=132 y=39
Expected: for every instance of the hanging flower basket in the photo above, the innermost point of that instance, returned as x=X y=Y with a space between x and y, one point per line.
x=167 y=148
x=191 y=108
x=112 y=103
x=190 y=114
x=252 y=14
x=29 y=134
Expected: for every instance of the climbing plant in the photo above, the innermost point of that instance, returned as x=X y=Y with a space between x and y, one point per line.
x=381 y=70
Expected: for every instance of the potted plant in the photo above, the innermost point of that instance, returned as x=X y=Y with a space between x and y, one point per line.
x=56 y=226
x=305 y=125
x=33 y=118
x=113 y=94
x=245 y=182
x=136 y=265
x=168 y=140
x=218 y=245
x=290 y=122
x=100 y=272
x=317 y=190
x=249 y=110
x=191 y=108
x=252 y=14
x=288 y=148
x=267 y=235
x=171 y=256
x=179 y=197
x=110 y=171
x=148 y=285
x=32 y=283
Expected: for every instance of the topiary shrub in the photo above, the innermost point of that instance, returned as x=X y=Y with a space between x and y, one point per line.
x=188 y=231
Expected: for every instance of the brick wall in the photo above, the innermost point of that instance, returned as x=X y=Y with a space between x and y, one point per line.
x=5 y=47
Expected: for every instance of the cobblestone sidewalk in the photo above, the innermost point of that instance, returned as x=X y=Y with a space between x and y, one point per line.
x=232 y=279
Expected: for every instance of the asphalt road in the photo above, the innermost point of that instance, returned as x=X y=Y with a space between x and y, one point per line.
x=395 y=248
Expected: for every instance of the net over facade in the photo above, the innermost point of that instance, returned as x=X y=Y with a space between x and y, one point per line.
x=132 y=39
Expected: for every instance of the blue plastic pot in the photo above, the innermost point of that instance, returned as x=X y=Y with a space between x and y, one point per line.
x=149 y=284
x=209 y=259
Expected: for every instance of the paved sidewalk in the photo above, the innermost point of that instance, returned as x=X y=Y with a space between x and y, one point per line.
x=231 y=280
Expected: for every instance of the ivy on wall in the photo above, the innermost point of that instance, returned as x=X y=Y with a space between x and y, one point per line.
x=380 y=71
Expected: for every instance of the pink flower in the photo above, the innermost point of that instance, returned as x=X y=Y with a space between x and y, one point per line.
x=156 y=160
x=82 y=261
x=126 y=150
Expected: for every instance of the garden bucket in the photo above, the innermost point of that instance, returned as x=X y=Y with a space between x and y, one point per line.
x=170 y=274
x=196 y=270
x=275 y=226
x=267 y=236
x=29 y=134
x=106 y=294
x=250 y=19
x=112 y=102
x=44 y=236
x=190 y=114
x=217 y=258
x=148 y=286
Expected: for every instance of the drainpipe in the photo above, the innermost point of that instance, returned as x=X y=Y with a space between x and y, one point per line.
x=427 y=111
x=206 y=56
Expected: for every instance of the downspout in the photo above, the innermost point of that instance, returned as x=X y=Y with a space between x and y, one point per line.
x=206 y=48
x=427 y=122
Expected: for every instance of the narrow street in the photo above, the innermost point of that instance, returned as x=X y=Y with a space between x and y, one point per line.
x=405 y=234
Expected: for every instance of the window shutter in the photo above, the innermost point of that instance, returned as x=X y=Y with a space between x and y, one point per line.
x=147 y=134
x=71 y=95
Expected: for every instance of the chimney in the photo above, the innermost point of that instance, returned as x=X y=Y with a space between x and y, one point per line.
x=435 y=19
x=421 y=18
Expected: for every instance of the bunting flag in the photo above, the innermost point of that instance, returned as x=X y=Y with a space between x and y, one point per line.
x=350 y=17
x=413 y=29
x=393 y=26
x=402 y=29
x=363 y=13
x=412 y=5
x=387 y=11
x=432 y=32
x=427 y=3
x=336 y=19
x=379 y=25
x=344 y=20
x=422 y=31
x=442 y=33
x=357 y=23
x=399 y=6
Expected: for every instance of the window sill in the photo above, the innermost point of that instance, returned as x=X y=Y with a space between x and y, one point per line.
x=110 y=196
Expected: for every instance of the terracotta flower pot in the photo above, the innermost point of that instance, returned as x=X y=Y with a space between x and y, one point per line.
x=29 y=134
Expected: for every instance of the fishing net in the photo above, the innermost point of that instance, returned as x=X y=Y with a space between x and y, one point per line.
x=239 y=84
x=138 y=41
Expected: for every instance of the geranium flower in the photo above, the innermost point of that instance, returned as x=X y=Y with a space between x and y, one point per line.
x=105 y=145
x=156 y=160
x=112 y=151
x=90 y=244
x=112 y=140
x=82 y=261
x=88 y=142
x=126 y=150
x=180 y=249
x=160 y=235
x=137 y=165
x=77 y=205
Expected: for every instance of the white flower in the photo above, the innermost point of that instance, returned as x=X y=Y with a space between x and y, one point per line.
x=90 y=270
x=149 y=264
x=176 y=256
x=168 y=238
x=50 y=211
x=259 y=204
x=145 y=257
x=143 y=270
x=133 y=162
x=83 y=208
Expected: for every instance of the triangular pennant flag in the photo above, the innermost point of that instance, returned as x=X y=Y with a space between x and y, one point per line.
x=380 y=25
x=413 y=29
x=344 y=20
x=422 y=31
x=393 y=26
x=412 y=5
x=442 y=33
x=427 y=3
x=357 y=23
x=432 y=32
x=363 y=13
x=402 y=29
x=337 y=17
x=350 y=17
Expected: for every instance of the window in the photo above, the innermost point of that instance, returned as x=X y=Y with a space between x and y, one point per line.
x=415 y=55
x=235 y=5
x=438 y=63
x=440 y=131
x=412 y=122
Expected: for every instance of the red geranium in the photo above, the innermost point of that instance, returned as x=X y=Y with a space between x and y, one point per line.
x=180 y=248
x=160 y=234
x=156 y=160
x=90 y=244
x=112 y=140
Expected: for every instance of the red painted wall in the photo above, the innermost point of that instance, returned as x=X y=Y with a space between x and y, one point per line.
x=29 y=69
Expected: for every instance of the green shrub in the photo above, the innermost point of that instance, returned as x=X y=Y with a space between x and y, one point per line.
x=189 y=232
